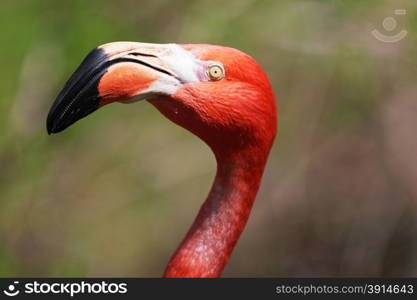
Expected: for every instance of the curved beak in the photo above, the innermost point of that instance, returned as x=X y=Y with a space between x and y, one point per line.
x=122 y=72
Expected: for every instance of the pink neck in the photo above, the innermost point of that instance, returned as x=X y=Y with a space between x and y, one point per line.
x=210 y=241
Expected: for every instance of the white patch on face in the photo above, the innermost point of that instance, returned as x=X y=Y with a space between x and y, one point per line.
x=188 y=67
x=183 y=63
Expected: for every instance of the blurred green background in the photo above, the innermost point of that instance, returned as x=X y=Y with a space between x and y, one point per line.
x=114 y=194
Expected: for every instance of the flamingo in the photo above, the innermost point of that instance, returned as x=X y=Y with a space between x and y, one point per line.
x=218 y=93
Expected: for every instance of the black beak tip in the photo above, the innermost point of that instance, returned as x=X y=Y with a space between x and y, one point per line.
x=50 y=125
x=80 y=95
x=50 y=128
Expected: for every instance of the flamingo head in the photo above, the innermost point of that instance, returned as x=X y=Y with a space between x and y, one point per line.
x=220 y=94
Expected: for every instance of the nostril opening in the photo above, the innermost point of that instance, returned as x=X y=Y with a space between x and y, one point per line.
x=142 y=54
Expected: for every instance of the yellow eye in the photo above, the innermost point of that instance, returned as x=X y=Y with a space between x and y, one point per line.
x=216 y=72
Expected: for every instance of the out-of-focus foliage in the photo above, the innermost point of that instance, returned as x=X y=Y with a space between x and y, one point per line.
x=114 y=194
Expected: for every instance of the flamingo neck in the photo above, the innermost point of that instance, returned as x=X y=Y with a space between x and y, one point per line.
x=210 y=241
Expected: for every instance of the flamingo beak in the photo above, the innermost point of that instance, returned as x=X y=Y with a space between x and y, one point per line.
x=119 y=72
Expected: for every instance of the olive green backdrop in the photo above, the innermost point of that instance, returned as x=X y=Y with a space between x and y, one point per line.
x=114 y=194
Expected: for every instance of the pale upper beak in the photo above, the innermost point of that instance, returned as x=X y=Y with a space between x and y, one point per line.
x=122 y=71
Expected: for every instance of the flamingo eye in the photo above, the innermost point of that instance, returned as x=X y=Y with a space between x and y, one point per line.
x=215 y=72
